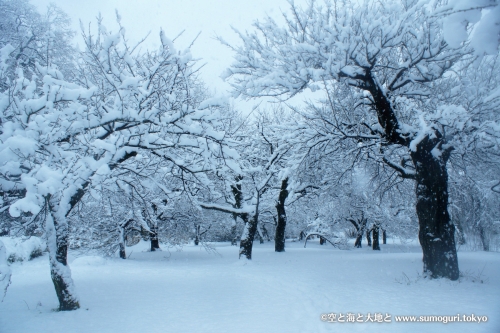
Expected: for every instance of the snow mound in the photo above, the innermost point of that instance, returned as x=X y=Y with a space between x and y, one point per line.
x=88 y=261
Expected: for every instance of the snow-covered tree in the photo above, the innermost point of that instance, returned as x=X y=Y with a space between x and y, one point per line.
x=394 y=61
x=247 y=188
x=61 y=138
x=35 y=38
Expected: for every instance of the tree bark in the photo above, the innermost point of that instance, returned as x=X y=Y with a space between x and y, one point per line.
x=248 y=236
x=57 y=243
x=238 y=201
x=197 y=237
x=376 y=244
x=484 y=239
x=279 y=238
x=384 y=237
x=360 y=229
x=265 y=233
x=461 y=234
x=234 y=236
x=436 y=231
x=153 y=233
x=123 y=254
x=357 y=243
x=153 y=236
x=368 y=237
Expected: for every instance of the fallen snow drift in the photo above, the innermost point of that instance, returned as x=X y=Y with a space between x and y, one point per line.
x=194 y=291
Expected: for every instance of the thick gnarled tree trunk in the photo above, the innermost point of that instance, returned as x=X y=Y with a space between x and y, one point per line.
x=436 y=231
x=279 y=238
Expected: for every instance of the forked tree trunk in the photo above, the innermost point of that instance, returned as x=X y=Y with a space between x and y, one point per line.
x=376 y=244
x=357 y=243
x=360 y=229
x=279 y=238
x=436 y=232
x=57 y=243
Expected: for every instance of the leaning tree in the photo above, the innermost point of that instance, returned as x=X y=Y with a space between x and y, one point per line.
x=392 y=57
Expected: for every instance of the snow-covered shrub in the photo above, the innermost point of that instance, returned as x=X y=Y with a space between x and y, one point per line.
x=19 y=249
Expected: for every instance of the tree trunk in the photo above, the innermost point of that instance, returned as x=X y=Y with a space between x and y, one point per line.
x=265 y=233
x=322 y=241
x=123 y=255
x=57 y=243
x=261 y=236
x=384 y=237
x=376 y=245
x=368 y=237
x=153 y=236
x=436 y=232
x=247 y=237
x=234 y=236
x=484 y=238
x=461 y=234
x=238 y=201
x=279 y=239
x=197 y=237
x=357 y=243
x=360 y=226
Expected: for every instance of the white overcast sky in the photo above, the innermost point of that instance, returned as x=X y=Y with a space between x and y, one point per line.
x=210 y=17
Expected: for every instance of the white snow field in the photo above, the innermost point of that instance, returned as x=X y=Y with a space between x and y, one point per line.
x=195 y=291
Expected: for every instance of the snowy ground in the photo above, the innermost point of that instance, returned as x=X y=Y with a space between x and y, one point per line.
x=194 y=291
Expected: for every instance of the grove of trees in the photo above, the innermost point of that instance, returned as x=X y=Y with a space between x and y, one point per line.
x=103 y=146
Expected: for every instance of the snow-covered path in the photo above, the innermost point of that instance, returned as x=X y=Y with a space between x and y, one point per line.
x=193 y=291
